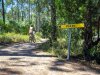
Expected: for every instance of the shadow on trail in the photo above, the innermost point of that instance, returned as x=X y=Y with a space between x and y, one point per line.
x=8 y=71
x=59 y=69
x=95 y=69
x=22 y=53
x=75 y=65
x=26 y=50
x=18 y=53
x=57 y=66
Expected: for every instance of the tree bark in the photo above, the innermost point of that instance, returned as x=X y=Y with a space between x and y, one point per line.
x=87 y=34
x=18 y=11
x=3 y=11
x=88 y=42
x=53 y=21
x=38 y=11
x=98 y=31
x=12 y=10
x=29 y=11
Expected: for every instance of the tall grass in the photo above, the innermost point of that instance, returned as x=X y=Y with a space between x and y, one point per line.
x=13 y=37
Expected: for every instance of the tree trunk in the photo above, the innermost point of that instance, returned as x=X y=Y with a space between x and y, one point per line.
x=38 y=15
x=12 y=9
x=98 y=27
x=38 y=22
x=88 y=42
x=29 y=12
x=53 y=21
x=22 y=10
x=3 y=11
x=17 y=11
x=88 y=35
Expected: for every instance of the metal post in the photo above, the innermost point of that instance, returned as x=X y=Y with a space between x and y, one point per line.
x=69 y=43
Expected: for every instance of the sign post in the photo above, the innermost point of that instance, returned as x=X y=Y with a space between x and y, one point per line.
x=69 y=43
x=80 y=25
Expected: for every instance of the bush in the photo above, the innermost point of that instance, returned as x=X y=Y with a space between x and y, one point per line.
x=45 y=29
x=61 y=53
x=38 y=36
x=59 y=48
x=62 y=42
x=1 y=23
x=12 y=37
x=5 y=39
x=97 y=57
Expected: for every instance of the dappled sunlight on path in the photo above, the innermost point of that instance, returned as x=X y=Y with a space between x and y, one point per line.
x=27 y=59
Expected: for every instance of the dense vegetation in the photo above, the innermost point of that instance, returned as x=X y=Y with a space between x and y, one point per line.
x=46 y=15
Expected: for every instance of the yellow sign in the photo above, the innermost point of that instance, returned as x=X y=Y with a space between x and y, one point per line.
x=80 y=25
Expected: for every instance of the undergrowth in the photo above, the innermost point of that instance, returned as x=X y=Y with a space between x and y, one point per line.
x=15 y=37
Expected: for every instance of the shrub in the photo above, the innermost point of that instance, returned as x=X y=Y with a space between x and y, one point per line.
x=62 y=42
x=5 y=39
x=61 y=53
x=59 y=48
x=45 y=28
x=38 y=36
x=12 y=37
x=97 y=57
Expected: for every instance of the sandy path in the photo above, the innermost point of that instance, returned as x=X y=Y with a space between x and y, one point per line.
x=25 y=59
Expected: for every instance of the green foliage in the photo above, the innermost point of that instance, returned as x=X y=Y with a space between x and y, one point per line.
x=38 y=36
x=59 y=48
x=62 y=43
x=45 y=29
x=16 y=37
x=61 y=53
x=76 y=42
x=5 y=39
x=2 y=26
x=67 y=11
x=24 y=27
x=13 y=26
x=12 y=37
x=1 y=23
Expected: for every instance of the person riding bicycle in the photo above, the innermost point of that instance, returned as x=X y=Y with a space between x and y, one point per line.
x=31 y=35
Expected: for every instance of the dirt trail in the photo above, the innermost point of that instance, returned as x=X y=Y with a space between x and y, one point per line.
x=25 y=59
